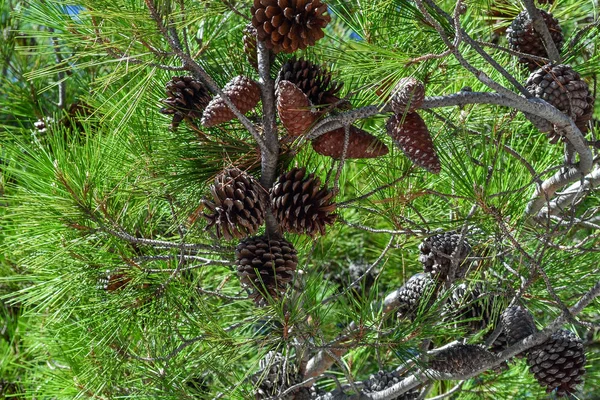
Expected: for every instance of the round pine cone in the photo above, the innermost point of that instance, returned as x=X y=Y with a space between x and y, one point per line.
x=411 y=135
x=517 y=323
x=408 y=95
x=460 y=359
x=238 y=206
x=276 y=375
x=294 y=109
x=243 y=92
x=438 y=251
x=383 y=380
x=265 y=267
x=300 y=204
x=289 y=25
x=558 y=364
x=523 y=38
x=313 y=80
x=412 y=292
x=361 y=144
x=186 y=98
x=562 y=87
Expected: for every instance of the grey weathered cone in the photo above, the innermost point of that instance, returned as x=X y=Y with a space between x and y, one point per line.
x=438 y=251
x=294 y=109
x=237 y=208
x=276 y=374
x=300 y=204
x=407 y=95
x=186 y=98
x=266 y=267
x=383 y=380
x=523 y=38
x=244 y=94
x=517 y=323
x=418 y=288
x=314 y=80
x=460 y=359
x=559 y=363
x=289 y=25
x=411 y=135
x=361 y=144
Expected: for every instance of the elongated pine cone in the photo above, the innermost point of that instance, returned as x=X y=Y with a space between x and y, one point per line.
x=249 y=39
x=361 y=145
x=523 y=38
x=276 y=374
x=186 y=98
x=562 y=87
x=411 y=135
x=289 y=25
x=438 y=251
x=243 y=92
x=407 y=96
x=558 y=364
x=383 y=380
x=460 y=359
x=517 y=323
x=238 y=205
x=294 y=109
x=315 y=81
x=417 y=288
x=265 y=267
x=300 y=204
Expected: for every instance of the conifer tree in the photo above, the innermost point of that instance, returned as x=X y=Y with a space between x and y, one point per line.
x=299 y=199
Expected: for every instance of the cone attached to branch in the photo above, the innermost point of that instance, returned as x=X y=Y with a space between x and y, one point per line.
x=523 y=38
x=187 y=98
x=289 y=25
x=300 y=204
x=243 y=92
x=361 y=145
x=315 y=81
x=266 y=267
x=407 y=96
x=294 y=109
x=383 y=380
x=460 y=359
x=517 y=323
x=249 y=39
x=411 y=135
x=558 y=364
x=275 y=376
x=417 y=288
x=438 y=252
x=238 y=206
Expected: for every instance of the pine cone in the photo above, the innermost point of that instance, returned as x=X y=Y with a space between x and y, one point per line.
x=558 y=364
x=411 y=135
x=243 y=92
x=265 y=267
x=294 y=109
x=249 y=39
x=517 y=323
x=300 y=204
x=277 y=375
x=523 y=38
x=418 y=287
x=289 y=25
x=460 y=359
x=313 y=80
x=187 y=98
x=361 y=145
x=383 y=380
x=438 y=251
x=238 y=206
x=407 y=96
x=472 y=307
x=347 y=275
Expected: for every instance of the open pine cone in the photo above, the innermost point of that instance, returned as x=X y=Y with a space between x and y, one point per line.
x=244 y=94
x=289 y=25
x=187 y=98
x=300 y=204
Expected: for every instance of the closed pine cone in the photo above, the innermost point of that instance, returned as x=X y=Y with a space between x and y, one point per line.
x=411 y=135
x=266 y=267
x=187 y=98
x=289 y=25
x=277 y=374
x=361 y=144
x=294 y=109
x=300 y=204
x=244 y=94
x=417 y=288
x=383 y=380
x=437 y=252
x=517 y=323
x=460 y=359
x=408 y=95
x=238 y=205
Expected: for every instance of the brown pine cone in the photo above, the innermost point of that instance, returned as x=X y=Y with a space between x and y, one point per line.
x=289 y=25
x=407 y=96
x=411 y=135
x=300 y=204
x=243 y=92
x=362 y=144
x=187 y=98
x=294 y=109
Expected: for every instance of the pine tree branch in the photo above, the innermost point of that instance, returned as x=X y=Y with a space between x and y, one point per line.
x=571 y=195
x=542 y=29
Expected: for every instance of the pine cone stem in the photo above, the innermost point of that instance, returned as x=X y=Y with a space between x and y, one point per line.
x=542 y=29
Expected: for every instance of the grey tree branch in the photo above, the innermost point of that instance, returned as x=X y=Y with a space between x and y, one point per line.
x=571 y=194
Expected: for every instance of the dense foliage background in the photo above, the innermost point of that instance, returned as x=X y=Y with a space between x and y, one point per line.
x=107 y=189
